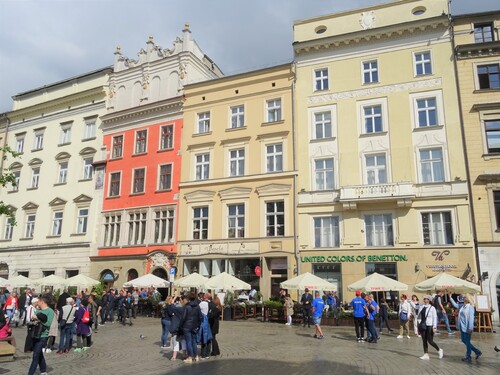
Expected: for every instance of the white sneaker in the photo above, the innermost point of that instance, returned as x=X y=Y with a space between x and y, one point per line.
x=441 y=353
x=399 y=337
x=425 y=357
x=408 y=336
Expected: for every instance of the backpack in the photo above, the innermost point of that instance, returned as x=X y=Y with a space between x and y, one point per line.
x=86 y=316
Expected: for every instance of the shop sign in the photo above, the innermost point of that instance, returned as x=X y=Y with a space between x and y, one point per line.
x=354 y=258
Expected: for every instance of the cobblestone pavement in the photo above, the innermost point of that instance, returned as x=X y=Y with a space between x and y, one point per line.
x=252 y=347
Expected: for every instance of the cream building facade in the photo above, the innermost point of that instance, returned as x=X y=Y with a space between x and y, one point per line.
x=237 y=179
x=477 y=52
x=56 y=131
x=382 y=179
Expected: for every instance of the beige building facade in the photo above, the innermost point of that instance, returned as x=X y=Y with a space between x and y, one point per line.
x=237 y=179
x=477 y=52
x=382 y=179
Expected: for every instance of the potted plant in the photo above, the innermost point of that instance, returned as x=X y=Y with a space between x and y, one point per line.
x=227 y=313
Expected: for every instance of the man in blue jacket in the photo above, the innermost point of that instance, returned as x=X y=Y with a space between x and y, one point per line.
x=358 y=305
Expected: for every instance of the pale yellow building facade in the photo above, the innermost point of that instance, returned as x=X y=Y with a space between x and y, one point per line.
x=382 y=179
x=477 y=47
x=237 y=179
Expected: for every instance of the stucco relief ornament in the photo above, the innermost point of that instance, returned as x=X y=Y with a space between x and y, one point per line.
x=367 y=20
x=160 y=260
x=145 y=81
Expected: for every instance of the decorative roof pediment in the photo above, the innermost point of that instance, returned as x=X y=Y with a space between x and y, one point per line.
x=82 y=198
x=35 y=161
x=30 y=206
x=11 y=208
x=15 y=165
x=63 y=156
x=88 y=151
x=57 y=202
x=235 y=192
x=199 y=196
x=273 y=189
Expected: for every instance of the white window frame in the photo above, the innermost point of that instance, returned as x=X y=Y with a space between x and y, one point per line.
x=432 y=162
x=112 y=229
x=375 y=168
x=276 y=156
x=38 y=140
x=82 y=220
x=203 y=122
x=324 y=124
x=166 y=137
x=113 y=148
x=329 y=237
x=321 y=80
x=57 y=222
x=386 y=224
x=274 y=110
x=88 y=168
x=65 y=135
x=202 y=166
x=35 y=177
x=119 y=184
x=133 y=187
x=8 y=228
x=237 y=219
x=29 y=226
x=440 y=116
x=237 y=160
x=141 y=145
x=90 y=128
x=159 y=185
x=437 y=227
x=164 y=225
x=201 y=219
x=237 y=116
x=370 y=70
x=137 y=227
x=20 y=143
x=275 y=213
x=422 y=63
x=323 y=174
x=62 y=173
x=361 y=105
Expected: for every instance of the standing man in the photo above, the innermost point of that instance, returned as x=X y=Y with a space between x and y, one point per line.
x=24 y=303
x=372 y=310
x=135 y=297
x=336 y=308
x=358 y=305
x=306 y=301
x=318 y=306
x=44 y=317
x=441 y=312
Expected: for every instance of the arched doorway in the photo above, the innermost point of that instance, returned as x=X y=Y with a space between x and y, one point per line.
x=161 y=273
x=132 y=274
x=108 y=277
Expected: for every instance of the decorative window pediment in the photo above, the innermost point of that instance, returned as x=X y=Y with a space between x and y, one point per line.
x=82 y=198
x=11 y=208
x=88 y=151
x=63 y=156
x=200 y=196
x=15 y=166
x=30 y=206
x=57 y=202
x=35 y=161
x=235 y=192
x=273 y=189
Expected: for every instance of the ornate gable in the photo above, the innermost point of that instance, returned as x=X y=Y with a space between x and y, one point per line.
x=235 y=192
x=57 y=202
x=30 y=206
x=82 y=198
x=199 y=196
x=273 y=189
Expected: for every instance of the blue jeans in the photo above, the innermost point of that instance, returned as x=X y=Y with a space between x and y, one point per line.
x=165 y=325
x=465 y=336
x=38 y=358
x=191 y=346
x=444 y=316
x=370 y=326
x=66 y=336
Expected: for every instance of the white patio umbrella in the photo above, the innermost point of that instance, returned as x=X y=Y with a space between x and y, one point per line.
x=445 y=281
x=377 y=283
x=17 y=282
x=146 y=281
x=51 y=280
x=193 y=280
x=82 y=281
x=308 y=280
x=226 y=281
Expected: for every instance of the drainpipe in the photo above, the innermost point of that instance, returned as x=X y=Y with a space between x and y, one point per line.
x=7 y=123
x=464 y=143
x=294 y=149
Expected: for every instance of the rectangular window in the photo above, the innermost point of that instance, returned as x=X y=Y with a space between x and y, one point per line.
x=321 y=79
x=29 y=231
x=203 y=122
x=65 y=136
x=323 y=125
x=492 y=128
x=326 y=232
x=35 y=177
x=137 y=228
x=275 y=219
x=90 y=129
x=237 y=117
x=372 y=118
x=167 y=137
x=62 y=176
x=165 y=180
x=114 y=184
x=324 y=176
x=200 y=223
x=237 y=162
x=432 y=165
x=112 y=228
x=202 y=166
x=437 y=228
x=273 y=108
x=117 y=146
x=496 y=202
x=483 y=33
x=20 y=143
x=139 y=180
x=379 y=230
x=422 y=63
x=164 y=226
x=376 y=169
x=274 y=158
x=236 y=221
x=141 y=137
x=9 y=229
x=88 y=169
x=17 y=180
x=370 y=72
x=426 y=112
x=38 y=141
x=57 y=221
x=488 y=76
x=82 y=220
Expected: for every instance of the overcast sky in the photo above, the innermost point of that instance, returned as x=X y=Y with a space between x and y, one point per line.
x=44 y=41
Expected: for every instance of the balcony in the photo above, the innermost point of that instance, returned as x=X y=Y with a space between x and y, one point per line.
x=402 y=192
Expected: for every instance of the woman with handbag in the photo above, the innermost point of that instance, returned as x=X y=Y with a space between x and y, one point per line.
x=466 y=325
x=40 y=333
x=404 y=317
x=427 y=325
x=30 y=313
x=66 y=326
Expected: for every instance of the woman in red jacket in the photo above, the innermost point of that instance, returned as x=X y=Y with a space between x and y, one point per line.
x=11 y=305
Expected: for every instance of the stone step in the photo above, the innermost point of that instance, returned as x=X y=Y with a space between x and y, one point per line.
x=7 y=352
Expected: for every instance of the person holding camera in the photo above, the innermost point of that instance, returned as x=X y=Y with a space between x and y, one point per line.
x=43 y=318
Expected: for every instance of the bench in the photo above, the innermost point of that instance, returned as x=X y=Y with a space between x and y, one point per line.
x=7 y=352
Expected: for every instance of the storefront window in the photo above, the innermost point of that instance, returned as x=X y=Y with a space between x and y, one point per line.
x=389 y=270
x=332 y=273
x=244 y=269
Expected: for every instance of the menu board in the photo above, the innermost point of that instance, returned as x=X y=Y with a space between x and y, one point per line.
x=483 y=303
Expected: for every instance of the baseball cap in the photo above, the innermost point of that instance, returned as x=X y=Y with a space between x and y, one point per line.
x=358 y=292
